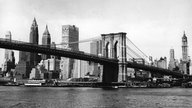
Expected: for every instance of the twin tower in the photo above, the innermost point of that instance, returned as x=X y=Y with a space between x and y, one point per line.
x=28 y=60
x=34 y=39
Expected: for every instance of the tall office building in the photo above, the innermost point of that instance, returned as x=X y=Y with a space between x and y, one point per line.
x=185 y=62
x=46 y=41
x=95 y=48
x=184 y=48
x=7 y=51
x=172 y=61
x=70 y=33
x=28 y=60
x=34 y=36
x=9 y=62
x=23 y=67
x=162 y=63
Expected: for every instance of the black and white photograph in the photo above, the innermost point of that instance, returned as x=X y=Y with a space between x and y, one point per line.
x=95 y=54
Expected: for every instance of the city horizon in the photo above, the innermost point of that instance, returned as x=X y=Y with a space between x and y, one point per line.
x=144 y=42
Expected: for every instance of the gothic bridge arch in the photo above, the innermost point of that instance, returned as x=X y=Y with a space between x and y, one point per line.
x=114 y=46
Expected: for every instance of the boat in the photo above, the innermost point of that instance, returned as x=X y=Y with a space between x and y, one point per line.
x=32 y=84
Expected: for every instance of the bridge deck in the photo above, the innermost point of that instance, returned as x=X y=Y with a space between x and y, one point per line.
x=28 y=47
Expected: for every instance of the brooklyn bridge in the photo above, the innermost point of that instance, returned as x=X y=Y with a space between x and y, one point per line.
x=113 y=59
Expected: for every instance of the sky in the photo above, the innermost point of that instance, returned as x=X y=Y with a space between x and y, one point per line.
x=155 y=26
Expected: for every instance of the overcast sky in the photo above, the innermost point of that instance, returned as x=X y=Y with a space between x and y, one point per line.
x=154 y=26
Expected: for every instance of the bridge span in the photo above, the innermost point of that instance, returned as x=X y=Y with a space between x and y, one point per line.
x=110 y=65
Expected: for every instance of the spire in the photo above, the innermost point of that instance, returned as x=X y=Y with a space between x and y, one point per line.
x=34 y=22
x=46 y=32
x=184 y=36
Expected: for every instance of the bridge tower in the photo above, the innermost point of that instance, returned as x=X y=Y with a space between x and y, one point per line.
x=114 y=46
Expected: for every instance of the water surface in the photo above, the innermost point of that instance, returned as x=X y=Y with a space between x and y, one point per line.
x=50 y=97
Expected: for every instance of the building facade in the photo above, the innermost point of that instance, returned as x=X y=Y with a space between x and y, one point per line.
x=46 y=42
x=172 y=61
x=28 y=60
x=7 y=51
x=161 y=63
x=185 y=61
x=70 y=34
x=96 y=49
x=9 y=61
x=34 y=39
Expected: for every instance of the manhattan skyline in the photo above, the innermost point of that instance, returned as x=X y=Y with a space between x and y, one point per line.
x=154 y=26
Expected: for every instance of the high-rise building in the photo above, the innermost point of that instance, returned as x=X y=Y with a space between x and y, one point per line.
x=185 y=62
x=172 y=54
x=7 y=51
x=53 y=45
x=95 y=48
x=184 y=48
x=34 y=36
x=70 y=33
x=9 y=62
x=28 y=60
x=46 y=41
x=172 y=61
x=162 y=63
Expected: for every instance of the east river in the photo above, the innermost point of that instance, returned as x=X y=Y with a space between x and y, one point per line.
x=58 y=97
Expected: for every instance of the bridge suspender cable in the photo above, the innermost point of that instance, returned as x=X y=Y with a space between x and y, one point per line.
x=133 y=52
x=129 y=55
x=83 y=41
x=137 y=47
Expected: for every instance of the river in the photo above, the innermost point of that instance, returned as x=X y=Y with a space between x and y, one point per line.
x=58 y=97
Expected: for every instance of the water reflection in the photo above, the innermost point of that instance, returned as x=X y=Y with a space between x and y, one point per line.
x=39 y=97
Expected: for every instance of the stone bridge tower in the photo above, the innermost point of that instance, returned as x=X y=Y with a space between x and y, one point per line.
x=114 y=46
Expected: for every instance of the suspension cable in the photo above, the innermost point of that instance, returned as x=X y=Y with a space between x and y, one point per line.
x=82 y=41
x=133 y=51
x=137 y=47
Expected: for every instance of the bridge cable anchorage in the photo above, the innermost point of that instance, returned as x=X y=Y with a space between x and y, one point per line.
x=137 y=47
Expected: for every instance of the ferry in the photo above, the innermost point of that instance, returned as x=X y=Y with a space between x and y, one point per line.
x=34 y=83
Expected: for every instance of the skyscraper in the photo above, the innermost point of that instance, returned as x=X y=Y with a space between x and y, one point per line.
x=9 y=62
x=184 y=48
x=95 y=48
x=172 y=61
x=7 y=51
x=46 y=41
x=70 y=33
x=28 y=60
x=185 y=62
x=34 y=36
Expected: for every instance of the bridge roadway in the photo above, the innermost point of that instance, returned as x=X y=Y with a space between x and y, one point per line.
x=28 y=47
